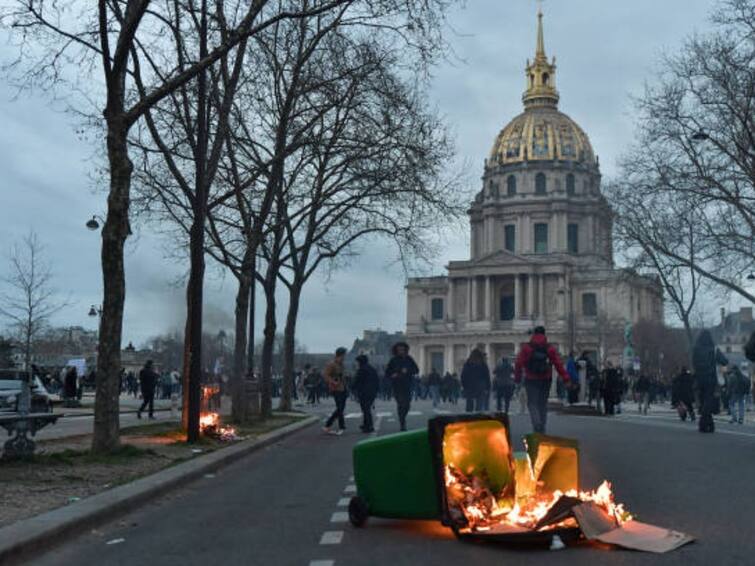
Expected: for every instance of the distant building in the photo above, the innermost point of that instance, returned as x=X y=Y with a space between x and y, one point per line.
x=732 y=333
x=541 y=249
x=375 y=344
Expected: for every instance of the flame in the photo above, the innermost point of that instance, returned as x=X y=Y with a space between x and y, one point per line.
x=482 y=510
x=209 y=424
x=207 y=420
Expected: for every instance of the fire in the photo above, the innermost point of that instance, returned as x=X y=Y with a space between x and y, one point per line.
x=208 y=420
x=482 y=510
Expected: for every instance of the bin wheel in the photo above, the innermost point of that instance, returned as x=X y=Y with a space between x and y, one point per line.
x=358 y=511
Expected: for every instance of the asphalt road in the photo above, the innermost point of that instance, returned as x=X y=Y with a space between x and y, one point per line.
x=278 y=506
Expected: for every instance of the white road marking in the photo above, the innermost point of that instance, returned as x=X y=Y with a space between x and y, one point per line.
x=353 y=416
x=383 y=414
x=415 y=413
x=321 y=562
x=343 y=502
x=339 y=517
x=331 y=537
x=351 y=488
x=351 y=478
x=391 y=420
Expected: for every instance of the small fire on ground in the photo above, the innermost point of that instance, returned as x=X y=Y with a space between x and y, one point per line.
x=471 y=498
x=209 y=422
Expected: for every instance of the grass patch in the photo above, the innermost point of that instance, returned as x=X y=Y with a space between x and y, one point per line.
x=122 y=455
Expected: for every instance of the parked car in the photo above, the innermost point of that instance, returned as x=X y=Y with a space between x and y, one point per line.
x=11 y=383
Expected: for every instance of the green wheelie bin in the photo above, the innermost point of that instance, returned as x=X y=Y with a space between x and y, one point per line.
x=395 y=478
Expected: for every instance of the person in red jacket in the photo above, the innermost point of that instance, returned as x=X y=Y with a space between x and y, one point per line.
x=536 y=361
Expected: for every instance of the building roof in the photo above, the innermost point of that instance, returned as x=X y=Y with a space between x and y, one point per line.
x=541 y=132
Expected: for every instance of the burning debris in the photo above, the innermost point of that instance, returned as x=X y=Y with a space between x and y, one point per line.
x=471 y=499
x=209 y=422
x=463 y=471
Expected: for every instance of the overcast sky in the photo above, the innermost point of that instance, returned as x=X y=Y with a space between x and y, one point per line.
x=605 y=50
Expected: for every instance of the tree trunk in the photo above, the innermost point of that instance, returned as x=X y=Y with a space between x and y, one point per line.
x=238 y=408
x=266 y=399
x=106 y=435
x=690 y=339
x=193 y=337
x=289 y=343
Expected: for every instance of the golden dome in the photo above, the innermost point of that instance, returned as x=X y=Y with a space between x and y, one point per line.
x=542 y=134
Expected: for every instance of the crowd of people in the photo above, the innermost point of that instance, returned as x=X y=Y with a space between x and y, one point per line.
x=713 y=385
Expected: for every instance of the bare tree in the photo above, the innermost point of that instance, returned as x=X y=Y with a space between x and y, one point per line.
x=29 y=300
x=647 y=235
x=695 y=154
x=89 y=40
x=373 y=168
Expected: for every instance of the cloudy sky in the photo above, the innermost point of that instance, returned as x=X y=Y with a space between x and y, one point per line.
x=605 y=50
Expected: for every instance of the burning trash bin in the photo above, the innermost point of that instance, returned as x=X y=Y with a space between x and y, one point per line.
x=463 y=471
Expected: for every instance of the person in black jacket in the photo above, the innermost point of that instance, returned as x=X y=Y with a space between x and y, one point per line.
x=147 y=381
x=366 y=385
x=475 y=379
x=401 y=370
x=683 y=395
x=705 y=358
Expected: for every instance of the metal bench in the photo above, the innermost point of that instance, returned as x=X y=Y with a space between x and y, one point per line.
x=20 y=445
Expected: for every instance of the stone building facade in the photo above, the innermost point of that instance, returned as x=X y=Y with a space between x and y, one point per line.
x=541 y=248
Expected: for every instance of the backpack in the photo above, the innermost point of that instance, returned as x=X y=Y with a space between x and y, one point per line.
x=538 y=362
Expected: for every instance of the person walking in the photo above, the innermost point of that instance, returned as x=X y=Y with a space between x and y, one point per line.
x=536 y=360
x=738 y=386
x=642 y=393
x=433 y=387
x=612 y=388
x=336 y=381
x=504 y=385
x=366 y=385
x=475 y=380
x=148 y=379
x=572 y=392
x=401 y=370
x=683 y=395
x=705 y=359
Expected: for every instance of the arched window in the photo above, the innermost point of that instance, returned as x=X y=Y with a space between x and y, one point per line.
x=570 y=185
x=511 y=186
x=540 y=186
x=546 y=78
x=532 y=80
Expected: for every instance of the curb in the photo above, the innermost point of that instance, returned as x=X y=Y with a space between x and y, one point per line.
x=23 y=539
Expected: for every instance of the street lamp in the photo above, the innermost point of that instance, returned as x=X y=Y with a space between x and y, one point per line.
x=700 y=136
x=95 y=311
x=751 y=277
x=94 y=223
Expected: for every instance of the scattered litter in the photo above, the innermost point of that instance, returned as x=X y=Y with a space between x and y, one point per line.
x=209 y=475
x=74 y=499
x=557 y=543
x=196 y=450
x=116 y=541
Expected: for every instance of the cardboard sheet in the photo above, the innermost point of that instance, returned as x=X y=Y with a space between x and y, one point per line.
x=596 y=524
x=641 y=536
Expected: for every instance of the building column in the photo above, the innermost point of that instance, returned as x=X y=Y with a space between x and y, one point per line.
x=449 y=352
x=475 y=299
x=562 y=296
x=470 y=297
x=541 y=296
x=531 y=294
x=451 y=307
x=421 y=359
x=517 y=293
x=488 y=295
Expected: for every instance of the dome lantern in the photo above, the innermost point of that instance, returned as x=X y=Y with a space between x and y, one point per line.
x=541 y=75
